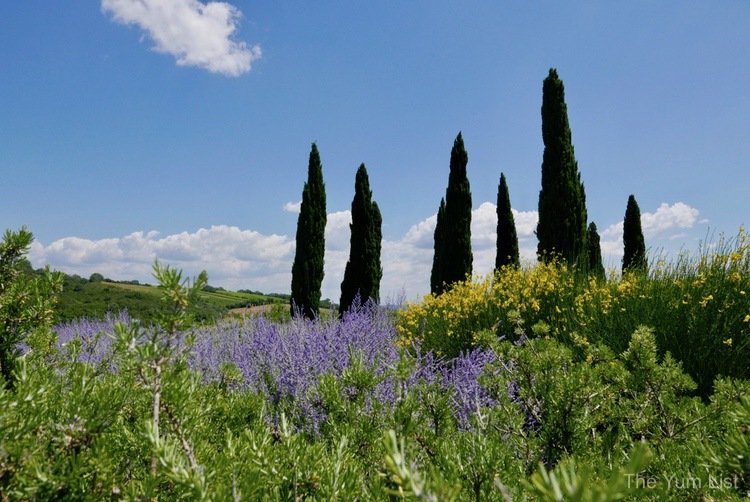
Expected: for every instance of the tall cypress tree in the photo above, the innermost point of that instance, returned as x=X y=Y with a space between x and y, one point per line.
x=595 y=265
x=453 y=244
x=457 y=238
x=634 y=258
x=507 y=238
x=436 y=276
x=363 y=271
x=307 y=269
x=562 y=200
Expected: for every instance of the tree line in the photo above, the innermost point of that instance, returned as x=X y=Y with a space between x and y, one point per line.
x=563 y=230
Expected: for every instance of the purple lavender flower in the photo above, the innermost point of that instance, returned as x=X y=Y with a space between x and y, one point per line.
x=94 y=334
x=285 y=362
x=469 y=396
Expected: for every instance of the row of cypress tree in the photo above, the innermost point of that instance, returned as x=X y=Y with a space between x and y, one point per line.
x=363 y=270
x=562 y=229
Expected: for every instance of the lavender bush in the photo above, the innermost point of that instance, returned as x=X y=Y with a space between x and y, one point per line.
x=91 y=338
x=285 y=362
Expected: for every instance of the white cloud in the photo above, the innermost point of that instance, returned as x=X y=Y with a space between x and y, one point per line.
x=667 y=218
x=234 y=258
x=422 y=234
x=484 y=227
x=293 y=207
x=525 y=223
x=196 y=34
x=661 y=224
x=337 y=253
x=657 y=224
x=337 y=230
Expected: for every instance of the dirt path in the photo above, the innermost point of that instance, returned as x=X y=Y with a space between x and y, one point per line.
x=254 y=310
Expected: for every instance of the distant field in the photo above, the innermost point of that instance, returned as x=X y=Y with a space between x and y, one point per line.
x=227 y=299
x=84 y=298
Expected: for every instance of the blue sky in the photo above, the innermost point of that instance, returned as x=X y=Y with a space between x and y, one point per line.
x=180 y=129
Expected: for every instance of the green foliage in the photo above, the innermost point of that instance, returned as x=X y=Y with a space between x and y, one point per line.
x=405 y=481
x=96 y=277
x=363 y=270
x=507 y=238
x=730 y=455
x=26 y=301
x=83 y=298
x=634 y=258
x=568 y=482
x=595 y=266
x=453 y=256
x=562 y=200
x=307 y=269
x=438 y=259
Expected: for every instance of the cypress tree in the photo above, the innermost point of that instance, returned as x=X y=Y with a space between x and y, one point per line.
x=453 y=258
x=562 y=200
x=307 y=269
x=507 y=238
x=436 y=276
x=363 y=271
x=595 y=266
x=634 y=257
x=457 y=238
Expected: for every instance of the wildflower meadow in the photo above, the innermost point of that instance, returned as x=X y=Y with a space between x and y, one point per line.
x=529 y=384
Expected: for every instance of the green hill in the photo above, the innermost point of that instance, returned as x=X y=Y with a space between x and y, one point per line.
x=94 y=298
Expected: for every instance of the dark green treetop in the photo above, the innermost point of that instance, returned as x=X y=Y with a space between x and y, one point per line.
x=507 y=238
x=562 y=200
x=307 y=269
x=438 y=259
x=457 y=255
x=634 y=257
x=595 y=265
x=363 y=270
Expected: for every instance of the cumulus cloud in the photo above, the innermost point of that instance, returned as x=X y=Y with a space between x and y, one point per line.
x=665 y=219
x=484 y=226
x=525 y=223
x=196 y=34
x=293 y=207
x=667 y=222
x=233 y=257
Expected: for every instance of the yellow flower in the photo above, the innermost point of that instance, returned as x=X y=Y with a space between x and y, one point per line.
x=728 y=342
x=705 y=300
x=589 y=359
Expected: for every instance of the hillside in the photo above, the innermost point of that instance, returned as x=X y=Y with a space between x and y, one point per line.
x=93 y=298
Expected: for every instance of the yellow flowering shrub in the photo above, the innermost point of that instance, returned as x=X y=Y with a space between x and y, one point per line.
x=445 y=323
x=450 y=322
x=699 y=309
